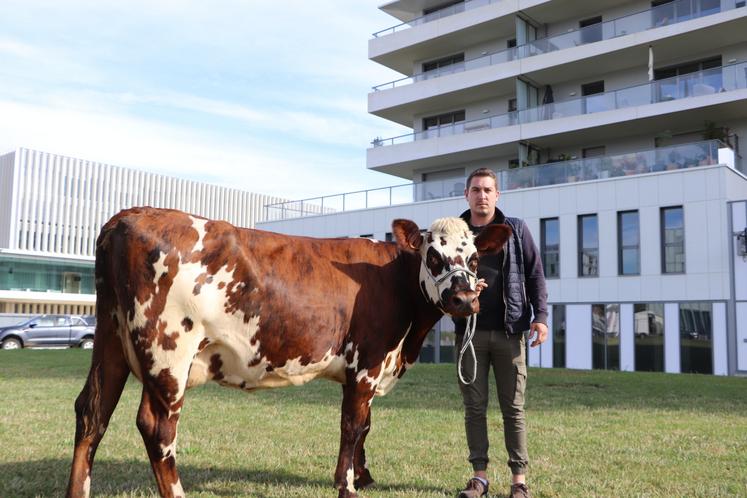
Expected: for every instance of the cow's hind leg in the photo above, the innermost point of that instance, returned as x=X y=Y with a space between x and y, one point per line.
x=363 y=477
x=355 y=413
x=95 y=404
x=157 y=421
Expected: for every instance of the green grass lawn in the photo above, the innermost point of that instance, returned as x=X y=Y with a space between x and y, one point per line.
x=603 y=434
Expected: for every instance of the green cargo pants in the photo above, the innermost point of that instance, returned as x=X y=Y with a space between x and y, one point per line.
x=507 y=355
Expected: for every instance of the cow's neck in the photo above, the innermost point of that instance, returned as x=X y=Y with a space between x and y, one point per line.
x=424 y=313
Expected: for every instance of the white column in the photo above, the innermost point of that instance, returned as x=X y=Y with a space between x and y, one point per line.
x=720 y=347
x=627 y=338
x=578 y=336
x=742 y=336
x=546 y=350
x=672 y=338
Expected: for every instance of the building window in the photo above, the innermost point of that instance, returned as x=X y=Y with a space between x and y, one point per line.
x=597 y=151
x=672 y=240
x=605 y=336
x=648 y=327
x=550 y=244
x=446 y=119
x=588 y=246
x=591 y=29
x=593 y=97
x=511 y=43
x=696 y=344
x=442 y=6
x=443 y=62
x=558 y=335
x=628 y=243
x=676 y=84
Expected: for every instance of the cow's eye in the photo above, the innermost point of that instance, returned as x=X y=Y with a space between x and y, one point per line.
x=472 y=264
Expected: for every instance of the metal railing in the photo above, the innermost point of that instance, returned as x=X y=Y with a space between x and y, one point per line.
x=433 y=16
x=709 y=81
x=554 y=173
x=663 y=15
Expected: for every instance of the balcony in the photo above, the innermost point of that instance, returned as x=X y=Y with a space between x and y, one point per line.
x=663 y=15
x=711 y=81
x=663 y=159
x=433 y=16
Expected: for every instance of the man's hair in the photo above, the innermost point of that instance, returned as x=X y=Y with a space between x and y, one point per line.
x=482 y=172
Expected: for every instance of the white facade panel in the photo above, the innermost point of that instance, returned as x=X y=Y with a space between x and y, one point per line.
x=650 y=240
x=672 y=338
x=546 y=349
x=739 y=223
x=742 y=337
x=7 y=182
x=578 y=336
x=627 y=338
x=720 y=346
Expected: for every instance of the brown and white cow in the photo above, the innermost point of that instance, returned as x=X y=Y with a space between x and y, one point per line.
x=182 y=300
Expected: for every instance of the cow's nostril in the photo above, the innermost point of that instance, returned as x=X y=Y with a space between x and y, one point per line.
x=456 y=301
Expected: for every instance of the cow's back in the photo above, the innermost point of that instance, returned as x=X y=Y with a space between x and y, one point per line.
x=247 y=308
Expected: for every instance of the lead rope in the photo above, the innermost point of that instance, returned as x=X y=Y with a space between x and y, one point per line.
x=469 y=333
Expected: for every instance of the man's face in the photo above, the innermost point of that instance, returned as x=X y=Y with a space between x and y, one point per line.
x=482 y=195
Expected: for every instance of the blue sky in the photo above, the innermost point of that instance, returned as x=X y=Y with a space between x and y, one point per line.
x=265 y=96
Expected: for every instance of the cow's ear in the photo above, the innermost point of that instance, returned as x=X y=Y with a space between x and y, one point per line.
x=492 y=238
x=407 y=234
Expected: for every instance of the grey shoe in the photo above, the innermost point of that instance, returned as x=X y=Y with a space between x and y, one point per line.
x=475 y=488
x=520 y=491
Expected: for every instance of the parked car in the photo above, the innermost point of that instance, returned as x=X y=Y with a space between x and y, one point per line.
x=48 y=331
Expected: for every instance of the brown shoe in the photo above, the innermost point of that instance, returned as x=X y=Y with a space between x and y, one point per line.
x=474 y=489
x=520 y=490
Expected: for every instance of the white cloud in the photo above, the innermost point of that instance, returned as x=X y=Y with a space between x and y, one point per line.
x=168 y=149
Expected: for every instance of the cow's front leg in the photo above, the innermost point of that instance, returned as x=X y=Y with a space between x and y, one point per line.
x=363 y=477
x=356 y=397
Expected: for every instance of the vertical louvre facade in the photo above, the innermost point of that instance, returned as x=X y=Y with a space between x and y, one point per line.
x=58 y=204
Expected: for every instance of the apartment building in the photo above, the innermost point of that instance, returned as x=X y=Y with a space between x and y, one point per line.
x=51 y=211
x=614 y=127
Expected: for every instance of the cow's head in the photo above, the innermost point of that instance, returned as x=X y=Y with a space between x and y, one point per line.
x=449 y=254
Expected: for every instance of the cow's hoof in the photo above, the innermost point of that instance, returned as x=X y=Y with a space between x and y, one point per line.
x=344 y=493
x=364 y=480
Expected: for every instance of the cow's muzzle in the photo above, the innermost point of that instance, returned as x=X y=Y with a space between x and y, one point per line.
x=461 y=303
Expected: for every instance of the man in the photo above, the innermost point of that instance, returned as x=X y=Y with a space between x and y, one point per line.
x=512 y=293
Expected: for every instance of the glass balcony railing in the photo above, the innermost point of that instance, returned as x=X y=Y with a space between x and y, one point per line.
x=683 y=156
x=433 y=16
x=663 y=15
x=709 y=81
x=595 y=168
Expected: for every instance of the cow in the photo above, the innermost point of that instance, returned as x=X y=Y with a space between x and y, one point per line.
x=182 y=300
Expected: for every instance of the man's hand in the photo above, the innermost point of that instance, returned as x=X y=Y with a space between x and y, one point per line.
x=480 y=286
x=539 y=332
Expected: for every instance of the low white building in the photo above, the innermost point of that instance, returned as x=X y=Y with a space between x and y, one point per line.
x=614 y=127
x=52 y=208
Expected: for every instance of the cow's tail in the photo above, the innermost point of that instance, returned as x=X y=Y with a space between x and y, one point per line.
x=107 y=376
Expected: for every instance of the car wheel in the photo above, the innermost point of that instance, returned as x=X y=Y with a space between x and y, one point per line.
x=86 y=344
x=12 y=343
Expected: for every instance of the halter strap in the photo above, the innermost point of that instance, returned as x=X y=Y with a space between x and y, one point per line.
x=471 y=319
